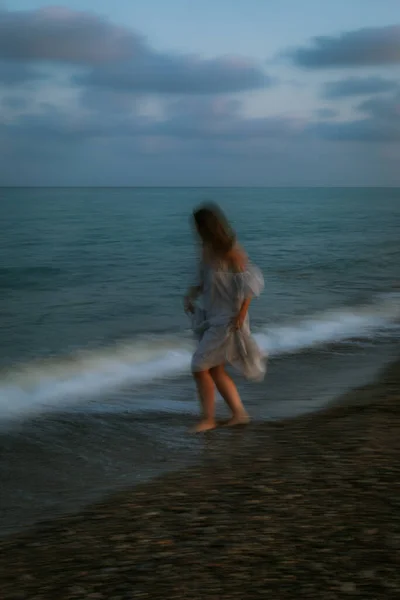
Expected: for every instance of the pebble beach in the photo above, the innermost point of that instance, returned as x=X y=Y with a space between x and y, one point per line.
x=302 y=508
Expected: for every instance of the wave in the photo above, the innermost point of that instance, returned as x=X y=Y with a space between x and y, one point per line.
x=48 y=385
x=333 y=326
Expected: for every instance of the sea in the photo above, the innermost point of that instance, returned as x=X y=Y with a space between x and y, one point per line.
x=95 y=348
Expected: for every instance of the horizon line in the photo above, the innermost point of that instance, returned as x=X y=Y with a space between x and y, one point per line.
x=204 y=187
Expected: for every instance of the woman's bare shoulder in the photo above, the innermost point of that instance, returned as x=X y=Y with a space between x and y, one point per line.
x=238 y=258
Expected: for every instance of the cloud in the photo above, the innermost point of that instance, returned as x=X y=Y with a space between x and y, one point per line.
x=326 y=113
x=361 y=130
x=14 y=102
x=196 y=141
x=202 y=135
x=386 y=109
x=361 y=48
x=214 y=119
x=174 y=74
x=117 y=58
x=132 y=162
x=206 y=124
x=136 y=113
x=220 y=119
x=64 y=35
x=381 y=123
x=358 y=86
x=52 y=123
x=12 y=73
x=108 y=102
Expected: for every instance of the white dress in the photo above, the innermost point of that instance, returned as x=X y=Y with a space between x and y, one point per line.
x=223 y=293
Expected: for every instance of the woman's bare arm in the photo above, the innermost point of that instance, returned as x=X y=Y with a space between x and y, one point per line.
x=238 y=259
x=241 y=316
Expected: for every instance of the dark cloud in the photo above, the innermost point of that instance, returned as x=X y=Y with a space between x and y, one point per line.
x=14 y=73
x=326 y=113
x=219 y=119
x=361 y=130
x=358 y=86
x=201 y=135
x=364 y=47
x=108 y=101
x=174 y=74
x=64 y=35
x=214 y=120
x=386 y=109
x=116 y=58
x=196 y=142
x=381 y=124
x=215 y=123
x=14 y=102
x=51 y=123
x=128 y=161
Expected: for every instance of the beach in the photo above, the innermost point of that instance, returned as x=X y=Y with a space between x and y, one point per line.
x=302 y=508
x=95 y=348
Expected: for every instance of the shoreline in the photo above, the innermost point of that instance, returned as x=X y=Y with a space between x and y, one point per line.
x=307 y=507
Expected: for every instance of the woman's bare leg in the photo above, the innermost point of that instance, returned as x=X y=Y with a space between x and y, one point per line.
x=206 y=390
x=228 y=391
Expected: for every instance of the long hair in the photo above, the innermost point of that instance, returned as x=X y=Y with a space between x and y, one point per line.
x=214 y=229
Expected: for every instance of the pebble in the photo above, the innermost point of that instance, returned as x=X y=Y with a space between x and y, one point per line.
x=348 y=588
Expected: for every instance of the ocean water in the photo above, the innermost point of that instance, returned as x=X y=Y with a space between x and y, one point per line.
x=95 y=390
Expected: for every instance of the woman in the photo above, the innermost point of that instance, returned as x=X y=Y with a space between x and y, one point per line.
x=227 y=282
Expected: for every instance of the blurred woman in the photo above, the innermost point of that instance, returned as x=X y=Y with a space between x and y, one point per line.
x=227 y=282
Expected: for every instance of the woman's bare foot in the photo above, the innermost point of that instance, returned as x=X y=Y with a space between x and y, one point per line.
x=240 y=419
x=204 y=425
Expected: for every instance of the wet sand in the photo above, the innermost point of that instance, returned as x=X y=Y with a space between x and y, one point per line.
x=303 y=508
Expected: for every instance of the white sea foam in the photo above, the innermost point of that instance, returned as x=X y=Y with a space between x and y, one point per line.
x=46 y=386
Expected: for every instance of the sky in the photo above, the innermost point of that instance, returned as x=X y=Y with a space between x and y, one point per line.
x=210 y=93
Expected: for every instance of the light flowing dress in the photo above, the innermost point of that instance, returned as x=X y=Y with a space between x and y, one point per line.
x=223 y=292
